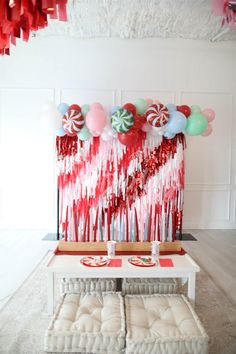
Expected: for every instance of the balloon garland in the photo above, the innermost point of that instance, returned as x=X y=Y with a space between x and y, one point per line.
x=129 y=122
x=20 y=17
x=120 y=174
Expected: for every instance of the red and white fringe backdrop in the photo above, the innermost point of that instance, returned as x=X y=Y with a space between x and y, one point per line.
x=112 y=192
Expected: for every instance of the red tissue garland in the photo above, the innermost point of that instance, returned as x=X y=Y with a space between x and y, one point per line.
x=19 y=17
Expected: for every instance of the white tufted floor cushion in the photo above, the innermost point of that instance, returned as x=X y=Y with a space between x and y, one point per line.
x=88 y=323
x=133 y=286
x=78 y=285
x=165 y=324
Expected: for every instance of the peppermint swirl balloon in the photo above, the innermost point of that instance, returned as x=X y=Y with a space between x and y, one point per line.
x=122 y=120
x=157 y=115
x=73 y=122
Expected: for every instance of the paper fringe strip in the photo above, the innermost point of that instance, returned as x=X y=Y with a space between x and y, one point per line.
x=111 y=192
x=19 y=17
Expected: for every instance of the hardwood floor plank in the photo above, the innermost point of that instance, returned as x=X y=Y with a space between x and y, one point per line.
x=215 y=252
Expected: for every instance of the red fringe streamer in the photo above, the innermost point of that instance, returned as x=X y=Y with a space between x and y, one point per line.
x=19 y=17
x=122 y=205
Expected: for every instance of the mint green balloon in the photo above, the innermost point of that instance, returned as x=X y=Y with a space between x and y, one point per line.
x=196 y=124
x=84 y=134
x=85 y=109
x=195 y=109
x=141 y=105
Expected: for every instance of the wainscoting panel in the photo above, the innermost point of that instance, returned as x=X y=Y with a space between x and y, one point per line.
x=26 y=159
x=132 y=95
x=204 y=206
x=208 y=160
x=82 y=96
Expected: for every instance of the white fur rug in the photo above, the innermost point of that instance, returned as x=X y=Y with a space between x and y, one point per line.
x=23 y=320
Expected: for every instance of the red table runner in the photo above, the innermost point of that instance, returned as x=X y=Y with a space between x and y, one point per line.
x=57 y=252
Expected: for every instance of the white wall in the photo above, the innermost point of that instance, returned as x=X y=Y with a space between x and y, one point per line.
x=115 y=71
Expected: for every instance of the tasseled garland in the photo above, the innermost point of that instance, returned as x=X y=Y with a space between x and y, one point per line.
x=66 y=146
x=19 y=17
x=110 y=192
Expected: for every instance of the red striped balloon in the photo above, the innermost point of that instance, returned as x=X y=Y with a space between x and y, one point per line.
x=73 y=122
x=157 y=115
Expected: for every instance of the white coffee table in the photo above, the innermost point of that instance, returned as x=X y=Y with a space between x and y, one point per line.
x=69 y=266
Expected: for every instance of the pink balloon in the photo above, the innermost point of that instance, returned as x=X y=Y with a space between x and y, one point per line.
x=156 y=102
x=96 y=133
x=149 y=101
x=96 y=120
x=96 y=105
x=146 y=127
x=208 y=130
x=209 y=114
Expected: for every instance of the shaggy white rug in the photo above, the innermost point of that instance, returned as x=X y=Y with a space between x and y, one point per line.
x=23 y=320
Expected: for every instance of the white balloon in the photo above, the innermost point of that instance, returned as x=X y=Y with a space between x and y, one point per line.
x=157 y=131
x=154 y=132
x=48 y=105
x=109 y=131
x=105 y=136
x=51 y=118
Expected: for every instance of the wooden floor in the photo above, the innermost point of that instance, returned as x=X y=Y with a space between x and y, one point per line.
x=215 y=251
x=21 y=251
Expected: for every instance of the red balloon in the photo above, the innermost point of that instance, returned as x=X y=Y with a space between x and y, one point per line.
x=142 y=135
x=138 y=122
x=186 y=110
x=130 y=107
x=75 y=107
x=130 y=138
x=143 y=119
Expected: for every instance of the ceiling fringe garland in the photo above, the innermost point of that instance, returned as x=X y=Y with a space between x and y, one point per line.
x=20 y=17
x=226 y=9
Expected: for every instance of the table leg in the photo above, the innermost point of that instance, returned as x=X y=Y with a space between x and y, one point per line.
x=191 y=287
x=50 y=289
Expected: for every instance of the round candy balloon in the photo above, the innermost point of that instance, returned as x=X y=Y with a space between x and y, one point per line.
x=114 y=109
x=141 y=105
x=63 y=108
x=195 y=109
x=209 y=114
x=96 y=105
x=73 y=122
x=208 y=130
x=177 y=123
x=122 y=120
x=157 y=115
x=196 y=124
x=84 y=134
x=96 y=120
x=60 y=132
x=139 y=121
x=84 y=109
x=171 y=107
x=128 y=139
x=186 y=110
x=75 y=107
x=130 y=107
x=169 y=135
